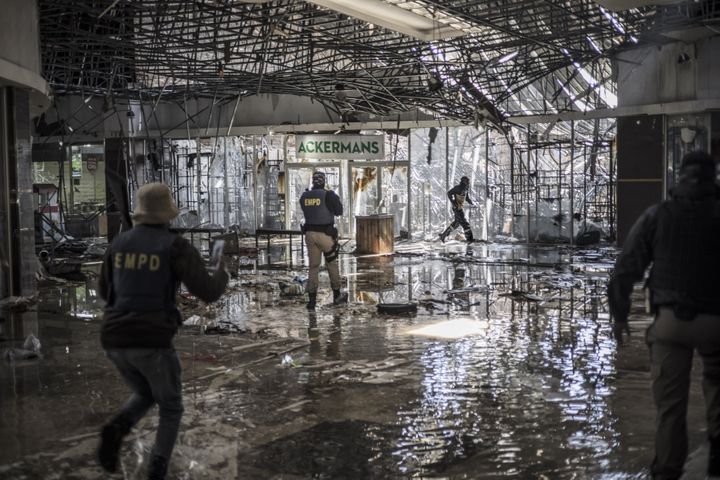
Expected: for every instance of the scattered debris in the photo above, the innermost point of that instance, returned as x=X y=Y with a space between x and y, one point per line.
x=29 y=351
x=397 y=308
x=18 y=304
x=520 y=295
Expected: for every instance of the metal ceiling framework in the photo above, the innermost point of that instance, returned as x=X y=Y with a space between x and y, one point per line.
x=513 y=57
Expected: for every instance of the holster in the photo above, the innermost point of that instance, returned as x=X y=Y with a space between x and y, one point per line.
x=332 y=232
x=332 y=255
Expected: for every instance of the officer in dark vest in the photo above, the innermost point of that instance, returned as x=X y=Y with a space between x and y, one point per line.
x=140 y=277
x=679 y=237
x=458 y=195
x=320 y=207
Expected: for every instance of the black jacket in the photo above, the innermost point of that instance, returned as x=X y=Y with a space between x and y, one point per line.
x=459 y=194
x=680 y=238
x=138 y=327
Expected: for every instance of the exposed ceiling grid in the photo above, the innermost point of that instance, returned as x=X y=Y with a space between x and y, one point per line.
x=510 y=57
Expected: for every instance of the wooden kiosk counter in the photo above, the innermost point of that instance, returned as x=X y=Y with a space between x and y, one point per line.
x=375 y=234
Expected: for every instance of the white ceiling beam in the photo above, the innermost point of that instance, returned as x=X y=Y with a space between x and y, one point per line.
x=672 y=108
x=391 y=17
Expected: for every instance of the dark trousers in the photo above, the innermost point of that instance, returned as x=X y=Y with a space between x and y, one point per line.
x=460 y=221
x=672 y=342
x=154 y=376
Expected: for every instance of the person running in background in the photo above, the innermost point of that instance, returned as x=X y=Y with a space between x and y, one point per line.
x=458 y=195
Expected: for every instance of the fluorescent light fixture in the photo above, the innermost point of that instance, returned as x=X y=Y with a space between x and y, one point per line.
x=508 y=57
x=391 y=17
x=452 y=329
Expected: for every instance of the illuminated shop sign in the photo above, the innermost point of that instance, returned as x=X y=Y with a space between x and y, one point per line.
x=338 y=147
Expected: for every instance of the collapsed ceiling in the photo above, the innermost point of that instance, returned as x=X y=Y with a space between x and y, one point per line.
x=457 y=59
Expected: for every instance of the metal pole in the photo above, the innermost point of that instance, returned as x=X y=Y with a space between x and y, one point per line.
x=612 y=193
x=512 y=190
x=254 y=180
x=585 y=174
x=572 y=182
x=226 y=187
x=408 y=181
x=487 y=183
x=286 y=183
x=527 y=187
x=560 y=210
x=447 y=172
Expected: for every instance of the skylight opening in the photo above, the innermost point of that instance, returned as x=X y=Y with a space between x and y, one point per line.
x=609 y=98
x=615 y=23
x=582 y=106
x=508 y=57
x=594 y=45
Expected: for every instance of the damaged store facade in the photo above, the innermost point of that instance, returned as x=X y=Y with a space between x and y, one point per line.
x=451 y=360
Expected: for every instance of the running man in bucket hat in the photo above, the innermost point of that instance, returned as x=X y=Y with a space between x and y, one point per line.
x=140 y=276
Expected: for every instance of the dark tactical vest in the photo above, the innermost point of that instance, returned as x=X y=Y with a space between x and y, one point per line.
x=686 y=253
x=143 y=280
x=315 y=209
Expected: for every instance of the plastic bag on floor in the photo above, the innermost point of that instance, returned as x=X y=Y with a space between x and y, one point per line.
x=29 y=351
x=32 y=343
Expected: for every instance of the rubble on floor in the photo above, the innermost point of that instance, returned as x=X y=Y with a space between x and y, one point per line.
x=507 y=369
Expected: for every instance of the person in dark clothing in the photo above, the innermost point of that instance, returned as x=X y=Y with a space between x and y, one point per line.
x=458 y=195
x=320 y=207
x=140 y=276
x=678 y=237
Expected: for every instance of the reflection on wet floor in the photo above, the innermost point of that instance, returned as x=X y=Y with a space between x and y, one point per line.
x=507 y=370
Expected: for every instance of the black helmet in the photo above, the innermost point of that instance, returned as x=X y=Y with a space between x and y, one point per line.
x=465 y=180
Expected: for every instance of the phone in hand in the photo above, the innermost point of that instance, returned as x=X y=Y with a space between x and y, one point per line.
x=217 y=252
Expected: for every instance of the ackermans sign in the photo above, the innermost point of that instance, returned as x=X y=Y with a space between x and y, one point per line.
x=337 y=147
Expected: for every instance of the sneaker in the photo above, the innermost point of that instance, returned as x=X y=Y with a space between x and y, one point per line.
x=108 y=453
x=442 y=238
x=157 y=468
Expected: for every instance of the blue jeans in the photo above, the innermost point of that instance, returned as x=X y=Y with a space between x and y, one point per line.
x=154 y=376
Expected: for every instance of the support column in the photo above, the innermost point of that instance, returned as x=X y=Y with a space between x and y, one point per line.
x=17 y=230
x=640 y=169
x=116 y=187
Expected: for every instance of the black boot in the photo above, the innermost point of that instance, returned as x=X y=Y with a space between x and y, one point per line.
x=339 y=297
x=157 y=468
x=312 y=301
x=111 y=437
x=445 y=234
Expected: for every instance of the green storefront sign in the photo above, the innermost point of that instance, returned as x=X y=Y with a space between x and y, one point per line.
x=338 y=147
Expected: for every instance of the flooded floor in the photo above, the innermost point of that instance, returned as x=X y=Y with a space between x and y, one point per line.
x=507 y=370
